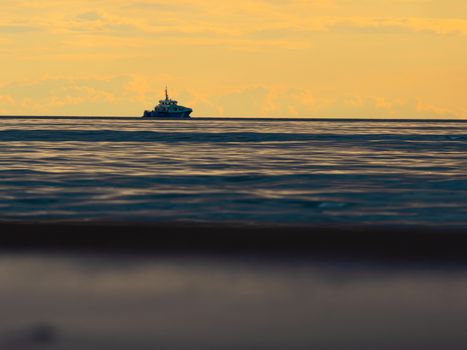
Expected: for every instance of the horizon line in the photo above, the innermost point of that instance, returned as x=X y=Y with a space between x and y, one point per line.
x=20 y=116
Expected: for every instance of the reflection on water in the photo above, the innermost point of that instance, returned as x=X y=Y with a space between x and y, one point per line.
x=221 y=170
x=95 y=302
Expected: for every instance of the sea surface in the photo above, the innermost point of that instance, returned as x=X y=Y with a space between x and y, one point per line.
x=253 y=171
x=233 y=170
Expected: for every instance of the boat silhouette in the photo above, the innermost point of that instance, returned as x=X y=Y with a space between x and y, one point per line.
x=168 y=109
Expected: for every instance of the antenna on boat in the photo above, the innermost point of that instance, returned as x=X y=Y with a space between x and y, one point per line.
x=166 y=95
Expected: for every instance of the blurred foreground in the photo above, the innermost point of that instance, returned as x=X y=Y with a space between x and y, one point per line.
x=160 y=290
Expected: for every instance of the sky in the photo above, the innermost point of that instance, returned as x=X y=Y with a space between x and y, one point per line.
x=276 y=58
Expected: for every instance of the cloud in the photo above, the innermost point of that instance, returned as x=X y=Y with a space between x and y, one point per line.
x=297 y=102
x=7 y=99
x=131 y=94
x=7 y=103
x=89 y=16
x=228 y=18
x=18 y=28
x=255 y=57
x=414 y=24
x=80 y=95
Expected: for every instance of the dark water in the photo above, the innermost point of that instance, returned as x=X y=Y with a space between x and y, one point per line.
x=217 y=170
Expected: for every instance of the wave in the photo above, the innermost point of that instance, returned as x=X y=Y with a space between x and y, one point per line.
x=158 y=136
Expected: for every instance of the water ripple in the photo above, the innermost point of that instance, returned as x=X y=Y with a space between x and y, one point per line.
x=243 y=170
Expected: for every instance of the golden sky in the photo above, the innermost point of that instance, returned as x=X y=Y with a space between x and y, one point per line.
x=289 y=58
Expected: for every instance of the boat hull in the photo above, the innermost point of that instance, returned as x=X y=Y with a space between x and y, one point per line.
x=168 y=115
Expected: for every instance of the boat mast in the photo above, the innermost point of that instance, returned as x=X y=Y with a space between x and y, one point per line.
x=166 y=95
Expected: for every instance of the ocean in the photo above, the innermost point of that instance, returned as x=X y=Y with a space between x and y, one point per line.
x=217 y=233
x=221 y=170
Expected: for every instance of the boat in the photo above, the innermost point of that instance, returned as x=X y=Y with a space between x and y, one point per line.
x=168 y=109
